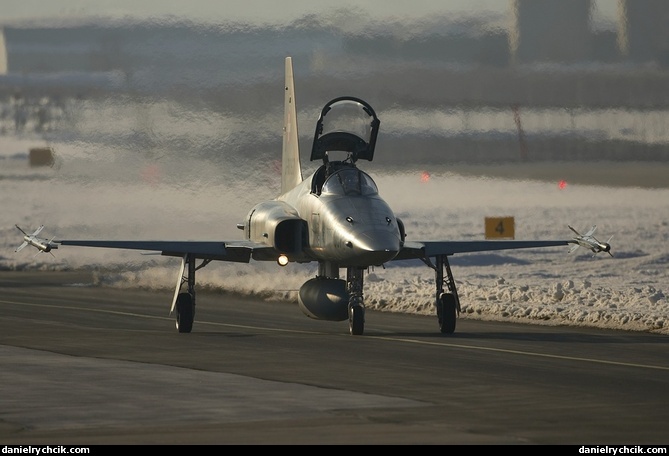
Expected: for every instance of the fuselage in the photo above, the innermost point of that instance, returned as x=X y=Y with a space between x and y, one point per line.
x=348 y=222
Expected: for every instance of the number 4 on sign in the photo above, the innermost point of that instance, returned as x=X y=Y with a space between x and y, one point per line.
x=499 y=227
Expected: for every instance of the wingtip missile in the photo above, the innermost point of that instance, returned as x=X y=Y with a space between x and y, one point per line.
x=590 y=242
x=41 y=244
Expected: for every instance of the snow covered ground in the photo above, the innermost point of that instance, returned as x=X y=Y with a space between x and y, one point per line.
x=114 y=195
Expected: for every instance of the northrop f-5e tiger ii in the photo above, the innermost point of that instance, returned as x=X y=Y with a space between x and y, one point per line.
x=334 y=217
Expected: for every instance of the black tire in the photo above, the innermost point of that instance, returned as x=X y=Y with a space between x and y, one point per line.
x=356 y=320
x=185 y=313
x=447 y=311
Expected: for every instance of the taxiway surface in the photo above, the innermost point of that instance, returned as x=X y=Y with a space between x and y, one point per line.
x=91 y=365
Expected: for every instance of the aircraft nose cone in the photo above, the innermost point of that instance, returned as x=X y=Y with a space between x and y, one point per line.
x=377 y=248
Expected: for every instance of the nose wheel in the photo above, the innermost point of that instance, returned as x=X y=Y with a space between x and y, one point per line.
x=356 y=307
x=356 y=319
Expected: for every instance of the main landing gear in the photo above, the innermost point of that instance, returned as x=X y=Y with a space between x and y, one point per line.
x=185 y=312
x=183 y=303
x=447 y=302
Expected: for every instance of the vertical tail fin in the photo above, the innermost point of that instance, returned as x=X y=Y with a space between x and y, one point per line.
x=291 y=173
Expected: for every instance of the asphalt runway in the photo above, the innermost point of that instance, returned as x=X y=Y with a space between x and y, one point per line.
x=88 y=365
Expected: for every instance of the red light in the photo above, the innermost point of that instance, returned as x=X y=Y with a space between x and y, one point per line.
x=425 y=176
x=151 y=174
x=562 y=184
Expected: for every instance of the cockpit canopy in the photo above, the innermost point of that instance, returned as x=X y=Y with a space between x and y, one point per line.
x=350 y=182
x=346 y=124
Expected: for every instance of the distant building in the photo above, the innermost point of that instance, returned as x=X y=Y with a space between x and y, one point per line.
x=3 y=53
x=154 y=54
x=550 y=31
x=643 y=30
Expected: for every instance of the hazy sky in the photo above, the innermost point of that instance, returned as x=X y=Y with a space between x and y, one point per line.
x=249 y=10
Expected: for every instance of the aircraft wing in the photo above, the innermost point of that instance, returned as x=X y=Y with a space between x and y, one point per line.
x=243 y=251
x=426 y=249
x=236 y=251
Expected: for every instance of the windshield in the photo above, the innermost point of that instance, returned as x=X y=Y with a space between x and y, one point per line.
x=349 y=182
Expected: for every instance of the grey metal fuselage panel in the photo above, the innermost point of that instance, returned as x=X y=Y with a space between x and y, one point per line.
x=348 y=228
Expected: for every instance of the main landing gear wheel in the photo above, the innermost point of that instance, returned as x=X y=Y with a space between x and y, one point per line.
x=185 y=312
x=447 y=313
x=356 y=320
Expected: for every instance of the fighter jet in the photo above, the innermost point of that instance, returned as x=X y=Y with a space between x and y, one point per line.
x=335 y=217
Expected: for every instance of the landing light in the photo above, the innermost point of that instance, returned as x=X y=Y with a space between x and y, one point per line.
x=282 y=260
